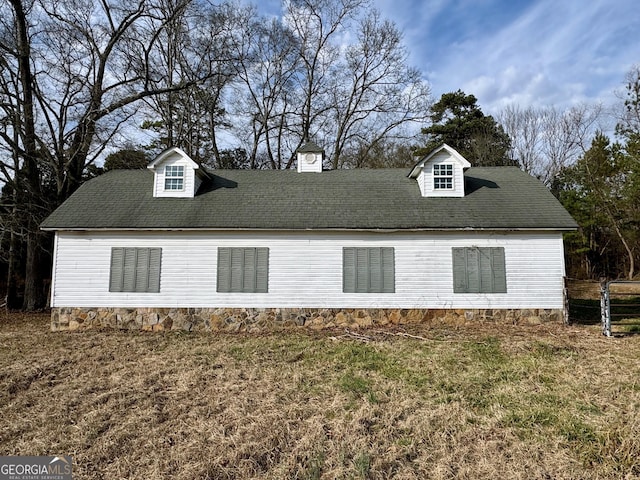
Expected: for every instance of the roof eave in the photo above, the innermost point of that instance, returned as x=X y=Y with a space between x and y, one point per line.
x=323 y=229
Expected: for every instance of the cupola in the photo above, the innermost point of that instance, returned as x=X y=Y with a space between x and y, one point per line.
x=310 y=158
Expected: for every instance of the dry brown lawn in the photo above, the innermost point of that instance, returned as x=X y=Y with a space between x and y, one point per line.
x=510 y=402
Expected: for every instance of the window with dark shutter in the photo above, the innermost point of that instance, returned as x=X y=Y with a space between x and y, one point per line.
x=368 y=270
x=135 y=270
x=243 y=270
x=479 y=270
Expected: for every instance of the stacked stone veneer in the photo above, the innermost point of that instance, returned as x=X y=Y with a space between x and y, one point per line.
x=265 y=319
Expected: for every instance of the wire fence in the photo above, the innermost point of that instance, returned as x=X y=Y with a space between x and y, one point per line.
x=620 y=307
x=615 y=305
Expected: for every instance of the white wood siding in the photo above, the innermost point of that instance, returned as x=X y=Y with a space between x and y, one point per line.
x=425 y=179
x=304 y=166
x=189 y=178
x=305 y=270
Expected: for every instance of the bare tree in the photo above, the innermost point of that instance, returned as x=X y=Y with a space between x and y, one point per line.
x=526 y=130
x=304 y=78
x=375 y=91
x=80 y=76
x=546 y=140
x=628 y=116
x=270 y=61
x=195 y=45
x=316 y=24
x=20 y=137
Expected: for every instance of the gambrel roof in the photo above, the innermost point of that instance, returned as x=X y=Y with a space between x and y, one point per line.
x=496 y=198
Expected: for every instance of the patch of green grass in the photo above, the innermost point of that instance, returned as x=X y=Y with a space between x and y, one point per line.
x=548 y=351
x=391 y=365
x=532 y=419
x=239 y=352
x=631 y=328
x=314 y=467
x=356 y=385
x=404 y=441
x=575 y=430
x=362 y=464
x=487 y=351
x=362 y=357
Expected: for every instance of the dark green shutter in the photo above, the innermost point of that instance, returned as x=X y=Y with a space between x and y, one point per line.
x=368 y=270
x=243 y=270
x=135 y=269
x=237 y=269
x=141 y=270
x=262 y=270
x=375 y=275
x=117 y=269
x=348 y=270
x=224 y=270
x=129 y=276
x=460 y=270
x=473 y=270
x=388 y=270
x=248 y=281
x=362 y=270
x=155 y=265
x=479 y=270
x=499 y=270
x=492 y=270
x=485 y=269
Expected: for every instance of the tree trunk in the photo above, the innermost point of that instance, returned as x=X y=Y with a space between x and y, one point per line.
x=34 y=295
x=12 y=300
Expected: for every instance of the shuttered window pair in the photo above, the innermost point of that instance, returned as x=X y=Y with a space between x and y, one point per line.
x=243 y=270
x=368 y=270
x=479 y=270
x=135 y=269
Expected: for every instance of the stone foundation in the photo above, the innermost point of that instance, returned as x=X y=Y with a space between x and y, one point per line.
x=269 y=319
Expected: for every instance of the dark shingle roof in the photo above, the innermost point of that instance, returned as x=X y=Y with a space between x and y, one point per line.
x=310 y=147
x=496 y=198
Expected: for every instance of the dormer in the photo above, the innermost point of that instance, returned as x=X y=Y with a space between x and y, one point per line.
x=175 y=174
x=310 y=158
x=441 y=173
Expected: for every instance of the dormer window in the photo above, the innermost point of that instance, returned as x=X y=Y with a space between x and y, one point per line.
x=443 y=177
x=174 y=177
x=441 y=173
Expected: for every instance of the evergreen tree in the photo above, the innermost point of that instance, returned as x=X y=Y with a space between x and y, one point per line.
x=458 y=121
x=598 y=191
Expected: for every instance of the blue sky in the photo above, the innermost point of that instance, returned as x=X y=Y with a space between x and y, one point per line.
x=524 y=52
x=540 y=53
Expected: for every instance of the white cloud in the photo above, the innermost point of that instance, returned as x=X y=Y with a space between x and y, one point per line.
x=543 y=53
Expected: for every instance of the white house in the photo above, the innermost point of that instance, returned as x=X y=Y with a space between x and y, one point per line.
x=177 y=247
